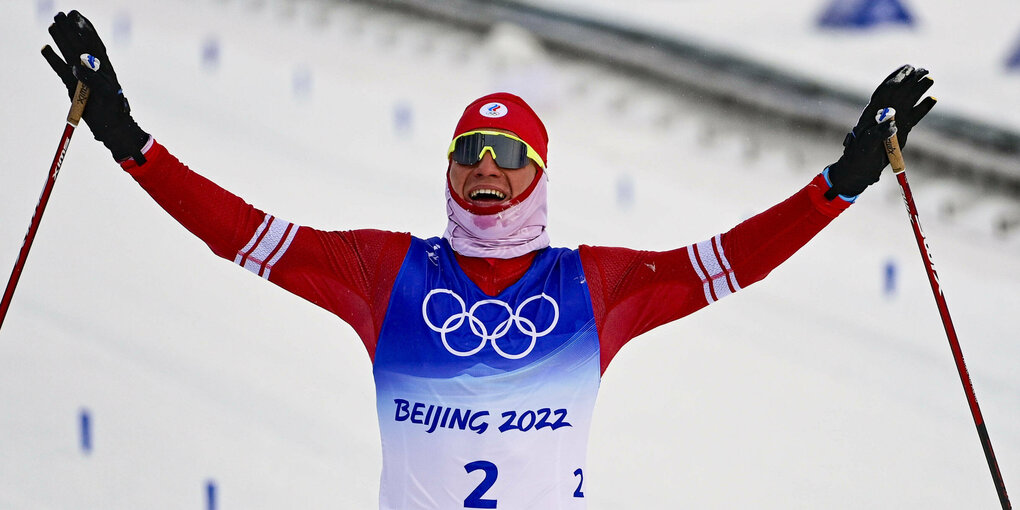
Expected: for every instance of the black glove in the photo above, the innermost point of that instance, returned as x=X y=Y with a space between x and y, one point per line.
x=107 y=112
x=857 y=169
x=862 y=161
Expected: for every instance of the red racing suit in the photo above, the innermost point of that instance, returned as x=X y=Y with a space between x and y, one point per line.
x=351 y=273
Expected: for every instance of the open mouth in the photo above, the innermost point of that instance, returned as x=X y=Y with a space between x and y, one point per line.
x=487 y=195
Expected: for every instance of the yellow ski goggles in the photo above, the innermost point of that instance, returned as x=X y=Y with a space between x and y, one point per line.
x=507 y=150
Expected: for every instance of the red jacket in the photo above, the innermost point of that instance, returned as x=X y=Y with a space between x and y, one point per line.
x=351 y=273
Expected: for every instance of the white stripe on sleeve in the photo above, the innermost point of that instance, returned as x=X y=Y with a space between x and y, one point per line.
x=726 y=264
x=280 y=252
x=697 y=269
x=717 y=278
x=271 y=239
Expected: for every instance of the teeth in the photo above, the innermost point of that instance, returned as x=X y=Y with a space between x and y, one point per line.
x=487 y=194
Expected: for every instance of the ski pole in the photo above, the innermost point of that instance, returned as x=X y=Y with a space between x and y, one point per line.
x=81 y=96
x=892 y=149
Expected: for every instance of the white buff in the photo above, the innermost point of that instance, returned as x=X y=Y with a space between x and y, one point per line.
x=510 y=233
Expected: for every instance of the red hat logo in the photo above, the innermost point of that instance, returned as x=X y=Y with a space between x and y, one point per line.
x=493 y=110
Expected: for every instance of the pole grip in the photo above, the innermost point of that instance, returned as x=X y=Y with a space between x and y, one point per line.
x=892 y=144
x=892 y=150
x=81 y=96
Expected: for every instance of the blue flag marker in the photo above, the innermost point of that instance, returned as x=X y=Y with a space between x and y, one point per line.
x=210 y=494
x=122 y=27
x=301 y=82
x=862 y=14
x=625 y=191
x=45 y=10
x=890 y=278
x=403 y=118
x=85 y=427
x=211 y=53
x=1013 y=62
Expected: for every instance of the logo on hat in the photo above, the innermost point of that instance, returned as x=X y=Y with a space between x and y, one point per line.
x=493 y=110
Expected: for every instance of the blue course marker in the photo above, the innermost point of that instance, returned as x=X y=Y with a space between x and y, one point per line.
x=301 y=82
x=1013 y=61
x=211 y=53
x=890 y=278
x=403 y=118
x=210 y=494
x=45 y=9
x=865 y=14
x=122 y=27
x=85 y=428
x=625 y=191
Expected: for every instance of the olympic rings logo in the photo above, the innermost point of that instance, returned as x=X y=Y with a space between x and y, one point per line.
x=455 y=321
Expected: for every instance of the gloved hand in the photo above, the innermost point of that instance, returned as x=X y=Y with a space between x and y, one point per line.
x=107 y=112
x=861 y=163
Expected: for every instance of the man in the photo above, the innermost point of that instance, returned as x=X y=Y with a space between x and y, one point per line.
x=487 y=344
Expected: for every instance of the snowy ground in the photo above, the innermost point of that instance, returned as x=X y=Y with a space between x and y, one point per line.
x=812 y=389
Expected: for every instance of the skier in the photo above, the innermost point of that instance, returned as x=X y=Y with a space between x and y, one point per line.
x=487 y=344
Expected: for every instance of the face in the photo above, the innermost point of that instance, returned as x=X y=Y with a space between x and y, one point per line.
x=486 y=184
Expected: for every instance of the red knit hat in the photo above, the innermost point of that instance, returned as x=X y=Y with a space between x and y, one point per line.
x=503 y=110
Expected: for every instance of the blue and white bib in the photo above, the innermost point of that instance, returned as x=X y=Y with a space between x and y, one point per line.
x=485 y=401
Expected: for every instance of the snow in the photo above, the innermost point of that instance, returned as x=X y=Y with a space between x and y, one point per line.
x=812 y=389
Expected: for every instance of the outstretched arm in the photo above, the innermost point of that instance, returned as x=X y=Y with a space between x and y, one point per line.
x=635 y=291
x=348 y=273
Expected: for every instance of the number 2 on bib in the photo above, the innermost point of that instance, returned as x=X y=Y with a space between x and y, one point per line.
x=475 y=500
